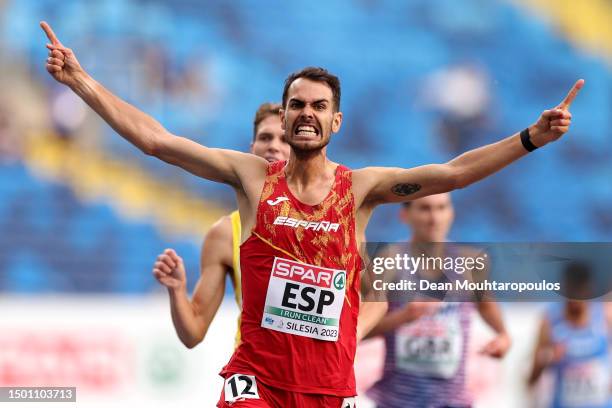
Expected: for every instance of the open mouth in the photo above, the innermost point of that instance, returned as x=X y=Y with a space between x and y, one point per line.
x=306 y=131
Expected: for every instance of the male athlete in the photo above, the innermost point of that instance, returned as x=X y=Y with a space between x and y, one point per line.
x=426 y=343
x=574 y=345
x=300 y=223
x=220 y=250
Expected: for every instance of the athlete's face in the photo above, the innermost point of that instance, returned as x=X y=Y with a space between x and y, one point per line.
x=270 y=140
x=577 y=307
x=430 y=218
x=309 y=118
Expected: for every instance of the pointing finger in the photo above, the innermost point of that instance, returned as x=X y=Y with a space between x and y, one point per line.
x=50 y=34
x=565 y=104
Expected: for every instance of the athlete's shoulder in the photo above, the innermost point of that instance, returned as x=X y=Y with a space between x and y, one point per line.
x=368 y=177
x=221 y=227
x=219 y=239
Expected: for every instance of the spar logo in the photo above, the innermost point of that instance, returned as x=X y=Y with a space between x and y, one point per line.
x=339 y=280
x=308 y=288
x=303 y=273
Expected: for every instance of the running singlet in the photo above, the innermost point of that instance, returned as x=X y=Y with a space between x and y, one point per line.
x=425 y=360
x=300 y=290
x=582 y=377
x=236 y=237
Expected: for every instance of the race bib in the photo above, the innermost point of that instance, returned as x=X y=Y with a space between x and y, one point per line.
x=240 y=386
x=304 y=300
x=431 y=346
x=349 y=403
x=585 y=384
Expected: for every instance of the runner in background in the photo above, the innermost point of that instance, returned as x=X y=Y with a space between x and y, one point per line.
x=426 y=343
x=574 y=345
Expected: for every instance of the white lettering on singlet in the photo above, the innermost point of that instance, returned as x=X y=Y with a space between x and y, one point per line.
x=325 y=226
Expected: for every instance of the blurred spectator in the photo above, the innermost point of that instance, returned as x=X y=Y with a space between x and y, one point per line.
x=10 y=144
x=67 y=112
x=462 y=97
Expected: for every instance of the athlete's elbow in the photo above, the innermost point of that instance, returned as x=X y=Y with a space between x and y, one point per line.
x=191 y=342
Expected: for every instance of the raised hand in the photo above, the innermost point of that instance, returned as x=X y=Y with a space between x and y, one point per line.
x=61 y=63
x=498 y=347
x=170 y=271
x=417 y=309
x=554 y=123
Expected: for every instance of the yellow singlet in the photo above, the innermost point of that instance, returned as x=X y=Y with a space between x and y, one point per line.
x=236 y=238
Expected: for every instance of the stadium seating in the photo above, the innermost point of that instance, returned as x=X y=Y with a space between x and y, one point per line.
x=219 y=60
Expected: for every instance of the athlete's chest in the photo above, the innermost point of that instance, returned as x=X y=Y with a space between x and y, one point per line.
x=322 y=234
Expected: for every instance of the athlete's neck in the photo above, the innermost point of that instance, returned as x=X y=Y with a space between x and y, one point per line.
x=420 y=247
x=428 y=248
x=309 y=168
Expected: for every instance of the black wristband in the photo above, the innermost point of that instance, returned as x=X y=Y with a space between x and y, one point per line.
x=526 y=140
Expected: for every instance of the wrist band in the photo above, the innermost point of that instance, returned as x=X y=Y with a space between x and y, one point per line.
x=526 y=140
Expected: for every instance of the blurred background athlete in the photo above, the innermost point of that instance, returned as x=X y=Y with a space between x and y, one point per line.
x=426 y=343
x=574 y=345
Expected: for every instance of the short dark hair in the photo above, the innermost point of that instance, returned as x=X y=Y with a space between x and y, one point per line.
x=315 y=74
x=577 y=277
x=264 y=110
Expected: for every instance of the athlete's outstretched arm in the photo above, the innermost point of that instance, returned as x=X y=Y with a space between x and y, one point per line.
x=381 y=185
x=545 y=354
x=143 y=131
x=192 y=318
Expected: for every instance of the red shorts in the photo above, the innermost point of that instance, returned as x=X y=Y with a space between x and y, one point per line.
x=243 y=391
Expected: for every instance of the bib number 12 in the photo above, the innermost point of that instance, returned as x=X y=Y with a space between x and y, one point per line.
x=240 y=386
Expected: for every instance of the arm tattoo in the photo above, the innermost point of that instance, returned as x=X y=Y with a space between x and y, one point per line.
x=405 y=189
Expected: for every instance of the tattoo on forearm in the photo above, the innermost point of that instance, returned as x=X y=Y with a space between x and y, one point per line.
x=405 y=189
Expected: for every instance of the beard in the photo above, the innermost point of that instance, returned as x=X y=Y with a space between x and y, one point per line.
x=301 y=148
